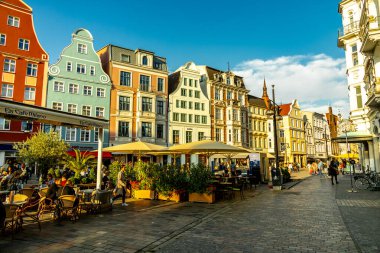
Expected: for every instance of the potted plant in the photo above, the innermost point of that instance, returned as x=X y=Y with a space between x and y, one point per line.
x=199 y=186
x=146 y=177
x=172 y=183
x=80 y=163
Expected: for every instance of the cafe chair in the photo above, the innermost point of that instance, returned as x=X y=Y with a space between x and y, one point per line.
x=68 y=206
x=12 y=219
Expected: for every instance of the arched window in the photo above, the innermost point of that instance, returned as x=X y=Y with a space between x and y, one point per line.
x=145 y=60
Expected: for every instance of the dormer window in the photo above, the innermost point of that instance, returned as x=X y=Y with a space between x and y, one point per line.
x=144 y=60
x=82 y=48
x=228 y=80
x=125 y=58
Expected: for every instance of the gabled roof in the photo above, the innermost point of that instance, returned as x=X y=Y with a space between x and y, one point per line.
x=212 y=73
x=173 y=81
x=18 y=4
x=285 y=109
x=256 y=101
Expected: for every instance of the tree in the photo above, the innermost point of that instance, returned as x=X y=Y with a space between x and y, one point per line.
x=80 y=162
x=45 y=148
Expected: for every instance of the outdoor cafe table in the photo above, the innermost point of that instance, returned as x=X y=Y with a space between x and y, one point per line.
x=87 y=186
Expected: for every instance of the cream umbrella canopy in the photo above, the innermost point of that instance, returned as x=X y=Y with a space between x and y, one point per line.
x=207 y=147
x=138 y=147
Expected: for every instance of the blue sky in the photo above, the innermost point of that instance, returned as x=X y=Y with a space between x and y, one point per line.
x=206 y=32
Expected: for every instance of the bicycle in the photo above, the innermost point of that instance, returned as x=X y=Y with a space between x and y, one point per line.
x=370 y=180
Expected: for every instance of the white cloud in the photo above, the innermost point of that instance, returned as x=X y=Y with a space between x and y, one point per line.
x=315 y=80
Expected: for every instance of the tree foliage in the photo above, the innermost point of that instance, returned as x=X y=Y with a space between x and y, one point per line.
x=45 y=148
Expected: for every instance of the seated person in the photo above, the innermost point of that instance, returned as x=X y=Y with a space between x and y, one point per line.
x=67 y=189
x=52 y=192
x=64 y=179
x=50 y=180
x=2 y=214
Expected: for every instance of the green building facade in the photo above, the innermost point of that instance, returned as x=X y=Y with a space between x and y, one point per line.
x=77 y=84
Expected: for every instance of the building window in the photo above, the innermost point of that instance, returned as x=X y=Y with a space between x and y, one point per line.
x=26 y=126
x=236 y=135
x=59 y=87
x=204 y=119
x=270 y=143
x=183 y=92
x=218 y=134
x=71 y=134
x=190 y=93
x=99 y=112
x=160 y=107
x=7 y=90
x=144 y=83
x=92 y=70
x=96 y=134
x=197 y=106
x=57 y=106
x=190 y=118
x=9 y=65
x=160 y=84
x=191 y=82
x=185 y=81
x=82 y=48
x=73 y=88
x=196 y=94
x=69 y=66
x=30 y=93
x=125 y=78
x=144 y=60
x=31 y=69
x=183 y=104
x=183 y=117
x=189 y=136
x=217 y=94
x=123 y=130
x=2 y=39
x=160 y=131
x=177 y=103
x=175 y=116
x=201 y=136
x=175 y=136
x=124 y=103
x=269 y=127
x=81 y=68
x=228 y=80
x=86 y=110
x=158 y=65
x=146 y=129
x=229 y=95
x=190 y=105
x=100 y=92
x=202 y=106
x=197 y=119
x=354 y=50
x=72 y=108
x=146 y=104
x=218 y=114
x=125 y=58
x=359 y=101
x=13 y=21
x=85 y=135
x=23 y=44
x=87 y=90
x=195 y=83
x=5 y=124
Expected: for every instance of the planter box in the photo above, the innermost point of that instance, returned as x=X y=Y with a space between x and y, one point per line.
x=172 y=197
x=143 y=194
x=277 y=188
x=202 y=197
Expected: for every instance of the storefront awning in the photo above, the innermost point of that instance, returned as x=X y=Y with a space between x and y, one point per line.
x=240 y=156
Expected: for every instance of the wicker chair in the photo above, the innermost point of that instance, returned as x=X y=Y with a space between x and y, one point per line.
x=12 y=219
x=34 y=211
x=28 y=192
x=102 y=201
x=68 y=206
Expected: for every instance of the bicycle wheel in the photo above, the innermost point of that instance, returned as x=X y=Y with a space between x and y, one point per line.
x=362 y=183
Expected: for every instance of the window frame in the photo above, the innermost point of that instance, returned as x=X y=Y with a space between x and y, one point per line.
x=80 y=72
x=122 y=79
x=85 y=135
x=146 y=129
x=3 y=123
x=76 y=108
x=60 y=104
x=14 y=19
x=100 y=112
x=87 y=107
x=58 y=88
x=10 y=88
x=123 y=128
x=86 y=91
x=3 y=37
x=80 y=49
x=69 y=63
x=162 y=84
x=30 y=92
x=73 y=85
x=127 y=103
x=10 y=63
x=73 y=134
x=25 y=44
x=102 y=92
x=33 y=67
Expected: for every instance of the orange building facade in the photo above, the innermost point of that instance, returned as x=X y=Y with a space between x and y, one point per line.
x=139 y=95
x=23 y=69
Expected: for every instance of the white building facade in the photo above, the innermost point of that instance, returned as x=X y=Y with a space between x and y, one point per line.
x=189 y=109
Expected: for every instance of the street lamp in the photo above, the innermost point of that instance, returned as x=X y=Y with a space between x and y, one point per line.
x=274 y=111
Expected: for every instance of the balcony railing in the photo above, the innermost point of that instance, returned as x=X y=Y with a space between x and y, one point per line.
x=350 y=28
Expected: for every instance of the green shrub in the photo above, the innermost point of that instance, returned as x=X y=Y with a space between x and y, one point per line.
x=171 y=178
x=199 y=178
x=92 y=175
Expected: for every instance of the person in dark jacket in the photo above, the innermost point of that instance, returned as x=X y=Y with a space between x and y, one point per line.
x=333 y=173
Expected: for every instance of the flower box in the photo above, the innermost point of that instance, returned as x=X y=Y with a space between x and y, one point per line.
x=173 y=196
x=202 y=197
x=143 y=194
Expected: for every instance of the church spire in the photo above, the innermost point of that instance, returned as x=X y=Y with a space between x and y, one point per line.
x=265 y=96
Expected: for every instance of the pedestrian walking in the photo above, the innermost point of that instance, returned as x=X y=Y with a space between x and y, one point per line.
x=333 y=172
x=320 y=168
x=121 y=184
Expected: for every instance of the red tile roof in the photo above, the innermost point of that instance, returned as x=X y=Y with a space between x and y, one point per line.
x=285 y=109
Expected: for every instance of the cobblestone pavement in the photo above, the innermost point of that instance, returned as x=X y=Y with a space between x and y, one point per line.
x=312 y=216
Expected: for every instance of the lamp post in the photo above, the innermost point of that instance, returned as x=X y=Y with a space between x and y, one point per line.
x=273 y=111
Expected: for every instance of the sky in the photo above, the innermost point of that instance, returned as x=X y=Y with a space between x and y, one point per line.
x=292 y=43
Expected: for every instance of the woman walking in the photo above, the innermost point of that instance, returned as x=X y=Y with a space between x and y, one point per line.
x=333 y=172
x=121 y=186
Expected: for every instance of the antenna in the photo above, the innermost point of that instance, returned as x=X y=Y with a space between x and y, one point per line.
x=228 y=66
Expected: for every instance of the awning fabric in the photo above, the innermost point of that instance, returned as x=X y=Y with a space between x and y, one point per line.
x=104 y=154
x=240 y=156
x=353 y=137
